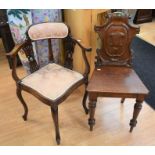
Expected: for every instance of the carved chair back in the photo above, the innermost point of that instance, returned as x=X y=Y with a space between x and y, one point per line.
x=47 y=31
x=116 y=36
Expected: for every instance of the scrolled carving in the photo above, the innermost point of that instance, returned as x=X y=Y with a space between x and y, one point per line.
x=28 y=50
x=116 y=36
x=69 y=45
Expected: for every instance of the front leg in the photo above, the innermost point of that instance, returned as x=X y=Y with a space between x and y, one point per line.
x=54 y=112
x=91 y=120
x=137 y=109
x=19 y=95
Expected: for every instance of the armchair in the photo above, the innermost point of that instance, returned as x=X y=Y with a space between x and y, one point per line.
x=53 y=83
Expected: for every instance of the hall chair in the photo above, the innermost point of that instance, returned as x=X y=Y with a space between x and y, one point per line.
x=53 y=83
x=113 y=75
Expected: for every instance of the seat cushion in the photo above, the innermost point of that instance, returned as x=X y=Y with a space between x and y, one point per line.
x=52 y=81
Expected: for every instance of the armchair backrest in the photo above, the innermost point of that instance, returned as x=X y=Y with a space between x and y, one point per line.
x=48 y=30
x=45 y=31
x=116 y=36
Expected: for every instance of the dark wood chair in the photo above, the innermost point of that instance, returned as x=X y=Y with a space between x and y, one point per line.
x=113 y=75
x=53 y=83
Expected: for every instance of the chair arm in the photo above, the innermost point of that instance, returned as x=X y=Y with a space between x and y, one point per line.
x=84 y=50
x=13 y=57
x=16 y=49
x=82 y=46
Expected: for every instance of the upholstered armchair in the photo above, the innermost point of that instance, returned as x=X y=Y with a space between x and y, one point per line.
x=53 y=83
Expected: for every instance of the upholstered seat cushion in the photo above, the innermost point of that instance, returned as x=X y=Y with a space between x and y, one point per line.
x=52 y=80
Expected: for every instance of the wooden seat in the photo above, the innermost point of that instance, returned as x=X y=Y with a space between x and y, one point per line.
x=116 y=81
x=113 y=75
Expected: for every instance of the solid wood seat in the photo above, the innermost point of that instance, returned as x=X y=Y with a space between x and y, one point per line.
x=114 y=81
x=113 y=75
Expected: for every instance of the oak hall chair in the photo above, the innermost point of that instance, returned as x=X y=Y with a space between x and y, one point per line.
x=113 y=75
x=53 y=83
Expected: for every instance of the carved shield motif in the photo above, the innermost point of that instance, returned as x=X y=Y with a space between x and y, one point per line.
x=116 y=36
x=116 y=42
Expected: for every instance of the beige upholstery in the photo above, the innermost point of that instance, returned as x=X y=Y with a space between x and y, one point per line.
x=52 y=81
x=48 y=30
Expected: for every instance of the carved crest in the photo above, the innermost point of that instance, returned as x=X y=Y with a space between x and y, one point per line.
x=116 y=36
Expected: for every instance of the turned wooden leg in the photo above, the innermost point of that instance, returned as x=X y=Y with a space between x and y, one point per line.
x=137 y=108
x=54 y=112
x=122 y=100
x=91 y=120
x=19 y=95
x=84 y=102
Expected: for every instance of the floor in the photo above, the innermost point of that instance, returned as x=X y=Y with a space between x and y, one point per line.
x=147 y=32
x=112 y=119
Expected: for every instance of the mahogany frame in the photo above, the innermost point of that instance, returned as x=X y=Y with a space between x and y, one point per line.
x=117 y=31
x=26 y=46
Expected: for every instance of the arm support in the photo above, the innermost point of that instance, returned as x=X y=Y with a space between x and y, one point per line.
x=84 y=50
x=16 y=49
x=13 y=55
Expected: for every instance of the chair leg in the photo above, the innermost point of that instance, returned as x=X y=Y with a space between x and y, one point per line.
x=122 y=100
x=84 y=102
x=91 y=120
x=54 y=112
x=19 y=95
x=137 y=108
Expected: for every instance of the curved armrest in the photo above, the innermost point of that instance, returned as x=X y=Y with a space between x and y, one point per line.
x=88 y=49
x=16 y=49
x=84 y=50
x=13 y=55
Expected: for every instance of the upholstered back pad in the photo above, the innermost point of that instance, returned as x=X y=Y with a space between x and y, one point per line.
x=47 y=30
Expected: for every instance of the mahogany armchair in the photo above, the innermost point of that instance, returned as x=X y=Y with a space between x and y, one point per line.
x=53 y=83
x=113 y=75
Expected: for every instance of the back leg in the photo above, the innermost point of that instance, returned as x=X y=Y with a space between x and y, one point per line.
x=122 y=100
x=19 y=95
x=84 y=102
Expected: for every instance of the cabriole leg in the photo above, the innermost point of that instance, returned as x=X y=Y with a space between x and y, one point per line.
x=54 y=112
x=19 y=95
x=84 y=102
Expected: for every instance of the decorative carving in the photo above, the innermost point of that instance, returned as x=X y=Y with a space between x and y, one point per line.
x=28 y=49
x=116 y=41
x=116 y=36
x=69 y=44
